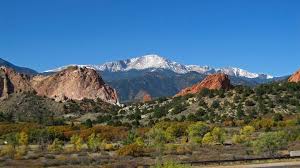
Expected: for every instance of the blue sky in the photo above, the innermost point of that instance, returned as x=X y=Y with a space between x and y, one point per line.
x=257 y=35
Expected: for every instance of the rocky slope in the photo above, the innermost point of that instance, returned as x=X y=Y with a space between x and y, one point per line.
x=74 y=83
x=295 y=77
x=215 y=81
x=13 y=82
x=157 y=84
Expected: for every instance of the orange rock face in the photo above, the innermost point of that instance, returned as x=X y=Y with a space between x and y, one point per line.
x=12 y=82
x=74 y=83
x=215 y=81
x=147 y=98
x=295 y=77
x=143 y=96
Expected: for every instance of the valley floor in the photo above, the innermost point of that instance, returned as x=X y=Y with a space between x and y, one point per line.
x=284 y=164
x=291 y=163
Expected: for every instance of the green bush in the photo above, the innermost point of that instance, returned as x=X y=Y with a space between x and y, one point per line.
x=56 y=146
x=269 y=143
x=218 y=135
x=77 y=142
x=94 y=142
x=215 y=104
x=198 y=130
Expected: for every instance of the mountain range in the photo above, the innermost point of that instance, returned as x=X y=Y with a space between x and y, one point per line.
x=155 y=76
x=154 y=62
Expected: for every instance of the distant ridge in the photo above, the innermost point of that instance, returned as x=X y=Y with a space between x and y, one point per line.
x=23 y=70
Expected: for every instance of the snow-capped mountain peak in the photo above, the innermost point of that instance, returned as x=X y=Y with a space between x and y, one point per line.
x=153 y=62
x=150 y=61
x=232 y=71
x=200 y=69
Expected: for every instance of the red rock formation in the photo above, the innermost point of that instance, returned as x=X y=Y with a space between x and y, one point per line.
x=215 y=81
x=147 y=98
x=74 y=83
x=295 y=77
x=12 y=82
x=143 y=96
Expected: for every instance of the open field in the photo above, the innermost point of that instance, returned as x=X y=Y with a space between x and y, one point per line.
x=283 y=164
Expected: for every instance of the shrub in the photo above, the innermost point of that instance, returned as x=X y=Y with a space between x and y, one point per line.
x=197 y=130
x=58 y=131
x=218 y=135
x=277 y=117
x=262 y=123
x=267 y=123
x=8 y=150
x=56 y=146
x=178 y=108
x=10 y=128
x=157 y=136
x=131 y=150
x=204 y=92
x=11 y=138
x=192 y=117
x=240 y=112
x=88 y=123
x=238 y=139
x=107 y=146
x=130 y=137
x=270 y=143
x=38 y=136
x=202 y=103
x=140 y=141
x=244 y=136
x=105 y=132
x=247 y=130
x=175 y=130
x=23 y=138
x=208 y=139
x=77 y=142
x=93 y=142
x=215 y=104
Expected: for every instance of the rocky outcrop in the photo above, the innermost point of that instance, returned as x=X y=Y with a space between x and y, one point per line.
x=143 y=96
x=295 y=77
x=13 y=82
x=147 y=97
x=215 y=81
x=74 y=83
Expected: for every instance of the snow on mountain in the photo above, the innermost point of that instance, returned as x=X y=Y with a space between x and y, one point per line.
x=65 y=67
x=153 y=62
x=141 y=63
x=242 y=73
x=200 y=69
